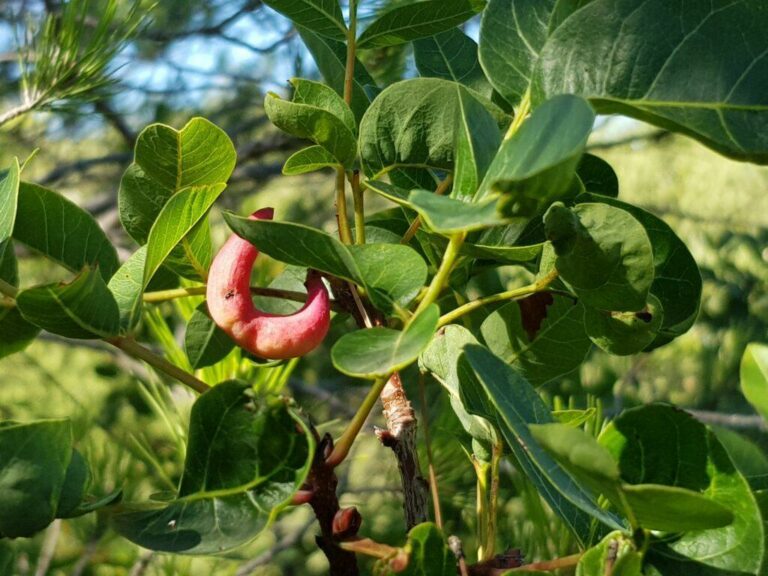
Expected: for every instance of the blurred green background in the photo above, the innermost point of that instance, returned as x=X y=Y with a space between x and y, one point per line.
x=218 y=59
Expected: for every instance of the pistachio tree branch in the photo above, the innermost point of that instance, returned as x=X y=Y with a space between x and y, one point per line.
x=516 y=294
x=133 y=348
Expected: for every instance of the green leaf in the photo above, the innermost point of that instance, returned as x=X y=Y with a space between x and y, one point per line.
x=451 y=55
x=542 y=336
x=392 y=275
x=603 y=253
x=322 y=17
x=15 y=332
x=321 y=96
x=652 y=506
x=597 y=52
x=428 y=552
x=83 y=308
x=35 y=458
x=624 y=333
x=418 y=20
x=75 y=483
x=441 y=358
x=62 y=231
x=370 y=266
x=199 y=154
x=660 y=444
x=309 y=159
x=331 y=57
x=167 y=161
x=597 y=176
x=615 y=555
x=446 y=127
x=204 y=342
x=512 y=33
x=7 y=557
x=377 y=352
x=754 y=377
x=9 y=196
x=448 y=215
x=538 y=164
x=246 y=458
x=672 y=509
x=497 y=392
x=127 y=287
x=320 y=126
x=677 y=280
x=577 y=450
x=177 y=218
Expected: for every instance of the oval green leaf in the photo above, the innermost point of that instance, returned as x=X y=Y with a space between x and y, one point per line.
x=83 y=308
x=418 y=20
x=724 y=104
x=377 y=352
x=246 y=458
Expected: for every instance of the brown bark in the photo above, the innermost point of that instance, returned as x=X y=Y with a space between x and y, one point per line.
x=400 y=436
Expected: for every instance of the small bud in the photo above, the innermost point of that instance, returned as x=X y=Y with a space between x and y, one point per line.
x=346 y=523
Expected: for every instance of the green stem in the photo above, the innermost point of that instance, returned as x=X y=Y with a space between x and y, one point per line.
x=493 y=501
x=438 y=282
x=341 y=207
x=133 y=348
x=481 y=471
x=8 y=289
x=516 y=294
x=163 y=295
x=344 y=443
x=520 y=115
x=359 y=202
x=441 y=189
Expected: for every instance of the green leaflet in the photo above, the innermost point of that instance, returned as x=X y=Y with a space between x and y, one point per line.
x=418 y=20
x=246 y=458
x=723 y=104
x=377 y=352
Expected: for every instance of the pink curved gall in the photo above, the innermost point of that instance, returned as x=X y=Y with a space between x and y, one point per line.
x=265 y=335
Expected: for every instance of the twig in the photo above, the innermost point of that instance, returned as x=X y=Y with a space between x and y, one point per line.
x=141 y=565
x=286 y=542
x=48 y=548
x=430 y=460
x=400 y=436
x=133 y=348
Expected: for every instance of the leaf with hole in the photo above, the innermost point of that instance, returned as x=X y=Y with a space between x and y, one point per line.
x=542 y=336
x=624 y=333
x=603 y=253
x=676 y=280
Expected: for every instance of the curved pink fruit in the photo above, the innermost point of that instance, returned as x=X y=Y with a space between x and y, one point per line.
x=263 y=334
